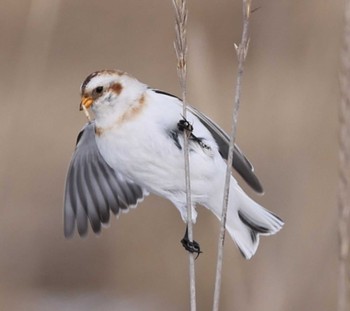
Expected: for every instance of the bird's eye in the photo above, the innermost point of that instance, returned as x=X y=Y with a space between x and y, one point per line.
x=98 y=90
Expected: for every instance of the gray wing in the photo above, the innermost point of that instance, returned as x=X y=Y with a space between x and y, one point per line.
x=240 y=163
x=93 y=188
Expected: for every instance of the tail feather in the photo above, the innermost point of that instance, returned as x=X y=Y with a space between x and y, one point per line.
x=247 y=220
x=251 y=226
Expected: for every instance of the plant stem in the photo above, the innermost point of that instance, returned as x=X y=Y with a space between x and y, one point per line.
x=344 y=172
x=241 y=50
x=181 y=53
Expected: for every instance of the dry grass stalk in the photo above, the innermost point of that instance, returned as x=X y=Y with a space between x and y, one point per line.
x=344 y=172
x=241 y=50
x=87 y=114
x=180 y=45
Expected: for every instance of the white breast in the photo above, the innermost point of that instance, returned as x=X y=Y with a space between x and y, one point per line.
x=143 y=151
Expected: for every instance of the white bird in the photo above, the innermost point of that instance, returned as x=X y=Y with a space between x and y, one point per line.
x=135 y=147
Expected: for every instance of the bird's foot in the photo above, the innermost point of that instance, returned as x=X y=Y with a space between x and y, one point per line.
x=183 y=125
x=190 y=246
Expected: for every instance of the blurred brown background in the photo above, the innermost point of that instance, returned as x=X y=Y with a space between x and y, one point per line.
x=287 y=127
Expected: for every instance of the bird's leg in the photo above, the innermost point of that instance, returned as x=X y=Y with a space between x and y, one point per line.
x=191 y=246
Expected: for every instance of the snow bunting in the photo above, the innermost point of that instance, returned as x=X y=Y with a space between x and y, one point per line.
x=135 y=147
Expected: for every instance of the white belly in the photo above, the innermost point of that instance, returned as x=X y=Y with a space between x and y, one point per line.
x=149 y=157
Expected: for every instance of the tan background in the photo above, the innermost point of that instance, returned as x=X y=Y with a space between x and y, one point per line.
x=287 y=127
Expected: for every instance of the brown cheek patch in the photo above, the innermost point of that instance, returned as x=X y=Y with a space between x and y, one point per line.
x=117 y=88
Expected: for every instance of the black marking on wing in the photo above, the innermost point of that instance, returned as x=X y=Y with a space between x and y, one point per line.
x=93 y=188
x=200 y=142
x=174 y=135
x=240 y=162
x=165 y=93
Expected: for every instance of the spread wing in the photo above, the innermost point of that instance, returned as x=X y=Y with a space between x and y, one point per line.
x=93 y=188
x=240 y=163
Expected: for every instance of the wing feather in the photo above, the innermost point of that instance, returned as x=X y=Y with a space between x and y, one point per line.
x=240 y=162
x=93 y=188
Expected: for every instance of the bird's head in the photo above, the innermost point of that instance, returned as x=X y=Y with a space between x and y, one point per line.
x=110 y=93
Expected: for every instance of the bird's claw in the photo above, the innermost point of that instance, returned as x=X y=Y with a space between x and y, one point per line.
x=191 y=246
x=184 y=125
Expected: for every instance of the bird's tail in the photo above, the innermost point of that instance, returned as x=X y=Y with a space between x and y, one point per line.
x=246 y=220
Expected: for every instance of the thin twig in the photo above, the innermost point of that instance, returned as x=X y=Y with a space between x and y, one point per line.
x=344 y=172
x=181 y=53
x=241 y=50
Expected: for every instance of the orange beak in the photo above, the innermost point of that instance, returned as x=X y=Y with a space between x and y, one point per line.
x=86 y=101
